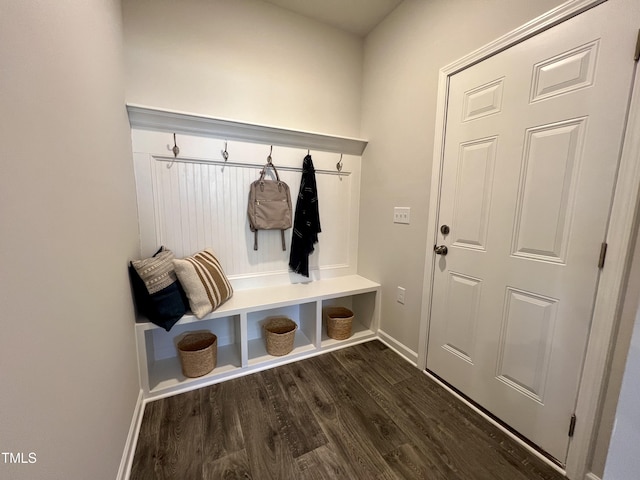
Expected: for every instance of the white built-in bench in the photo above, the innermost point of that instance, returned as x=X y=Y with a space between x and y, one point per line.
x=238 y=326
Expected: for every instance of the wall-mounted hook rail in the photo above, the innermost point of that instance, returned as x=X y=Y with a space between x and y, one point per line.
x=203 y=161
x=339 y=167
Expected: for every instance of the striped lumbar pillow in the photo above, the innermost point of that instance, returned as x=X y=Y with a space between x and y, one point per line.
x=204 y=282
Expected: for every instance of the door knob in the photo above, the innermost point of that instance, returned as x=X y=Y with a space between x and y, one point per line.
x=441 y=249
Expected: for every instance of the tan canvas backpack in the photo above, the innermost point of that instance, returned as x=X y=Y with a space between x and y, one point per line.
x=269 y=205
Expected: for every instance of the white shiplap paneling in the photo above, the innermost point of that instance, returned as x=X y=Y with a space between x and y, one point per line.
x=189 y=205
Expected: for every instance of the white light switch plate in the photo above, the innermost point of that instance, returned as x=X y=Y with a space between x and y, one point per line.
x=401 y=293
x=402 y=215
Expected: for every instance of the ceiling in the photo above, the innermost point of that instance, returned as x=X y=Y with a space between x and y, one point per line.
x=355 y=16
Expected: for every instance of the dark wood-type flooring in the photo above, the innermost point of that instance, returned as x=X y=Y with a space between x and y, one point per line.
x=358 y=413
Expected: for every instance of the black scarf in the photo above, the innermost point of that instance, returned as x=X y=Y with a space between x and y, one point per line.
x=306 y=223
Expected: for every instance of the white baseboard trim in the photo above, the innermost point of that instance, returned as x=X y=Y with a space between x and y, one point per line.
x=408 y=354
x=132 y=439
x=591 y=476
x=517 y=439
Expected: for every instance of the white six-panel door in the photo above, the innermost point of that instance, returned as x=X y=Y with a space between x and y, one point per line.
x=531 y=150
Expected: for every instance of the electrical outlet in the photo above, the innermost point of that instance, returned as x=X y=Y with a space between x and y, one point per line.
x=402 y=215
x=401 y=292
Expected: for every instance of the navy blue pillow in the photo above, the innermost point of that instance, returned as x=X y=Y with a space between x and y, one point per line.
x=164 y=307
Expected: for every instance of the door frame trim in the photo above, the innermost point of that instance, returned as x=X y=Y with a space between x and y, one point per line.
x=623 y=215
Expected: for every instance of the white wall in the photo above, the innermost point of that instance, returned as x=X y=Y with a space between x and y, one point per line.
x=244 y=60
x=402 y=58
x=68 y=223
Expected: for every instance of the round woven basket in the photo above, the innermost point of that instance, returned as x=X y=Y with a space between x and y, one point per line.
x=339 y=320
x=198 y=353
x=279 y=334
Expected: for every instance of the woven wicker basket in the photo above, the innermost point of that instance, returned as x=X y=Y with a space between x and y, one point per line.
x=339 y=320
x=279 y=334
x=198 y=353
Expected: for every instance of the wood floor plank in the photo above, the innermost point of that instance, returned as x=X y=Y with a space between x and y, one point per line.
x=234 y=466
x=323 y=463
x=222 y=432
x=490 y=441
x=352 y=433
x=324 y=410
x=450 y=434
x=420 y=430
x=179 y=452
x=267 y=450
x=358 y=406
x=395 y=369
x=408 y=462
x=153 y=414
x=361 y=412
x=144 y=464
x=300 y=428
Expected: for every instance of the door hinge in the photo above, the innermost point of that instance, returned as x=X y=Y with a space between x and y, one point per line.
x=636 y=56
x=572 y=425
x=603 y=255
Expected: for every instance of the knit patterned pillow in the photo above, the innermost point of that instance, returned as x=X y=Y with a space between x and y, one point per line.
x=156 y=272
x=204 y=282
x=157 y=292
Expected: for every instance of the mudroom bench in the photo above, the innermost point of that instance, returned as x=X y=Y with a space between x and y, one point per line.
x=238 y=326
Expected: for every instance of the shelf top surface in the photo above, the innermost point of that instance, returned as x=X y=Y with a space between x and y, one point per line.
x=195 y=124
x=281 y=295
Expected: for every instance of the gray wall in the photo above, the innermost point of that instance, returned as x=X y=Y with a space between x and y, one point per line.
x=68 y=223
x=623 y=462
x=403 y=56
x=620 y=449
x=243 y=60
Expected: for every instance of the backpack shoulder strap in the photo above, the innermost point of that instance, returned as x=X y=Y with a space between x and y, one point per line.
x=264 y=171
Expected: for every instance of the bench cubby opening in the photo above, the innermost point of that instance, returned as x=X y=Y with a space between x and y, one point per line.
x=363 y=307
x=304 y=315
